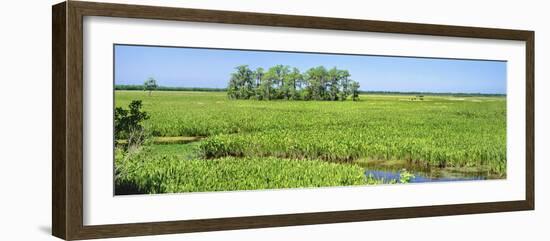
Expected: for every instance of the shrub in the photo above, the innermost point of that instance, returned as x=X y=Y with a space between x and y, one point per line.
x=128 y=124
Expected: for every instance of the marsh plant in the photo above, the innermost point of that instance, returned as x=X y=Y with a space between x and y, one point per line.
x=405 y=176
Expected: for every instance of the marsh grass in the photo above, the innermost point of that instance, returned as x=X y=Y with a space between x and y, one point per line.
x=149 y=171
x=437 y=131
x=202 y=141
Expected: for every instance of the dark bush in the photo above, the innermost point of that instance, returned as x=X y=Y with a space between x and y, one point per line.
x=128 y=123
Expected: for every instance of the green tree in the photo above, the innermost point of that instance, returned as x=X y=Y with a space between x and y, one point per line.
x=273 y=83
x=128 y=123
x=150 y=85
x=266 y=85
x=284 y=82
x=258 y=75
x=232 y=88
x=277 y=76
x=241 y=84
x=316 y=83
x=294 y=81
x=333 y=83
x=355 y=90
x=344 y=84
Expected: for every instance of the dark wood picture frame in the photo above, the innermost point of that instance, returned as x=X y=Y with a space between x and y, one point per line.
x=67 y=123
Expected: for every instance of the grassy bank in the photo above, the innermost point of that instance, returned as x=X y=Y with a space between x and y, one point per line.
x=172 y=168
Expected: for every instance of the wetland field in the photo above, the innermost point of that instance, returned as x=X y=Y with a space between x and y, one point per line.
x=203 y=141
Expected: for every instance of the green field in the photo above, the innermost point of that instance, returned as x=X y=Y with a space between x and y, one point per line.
x=203 y=141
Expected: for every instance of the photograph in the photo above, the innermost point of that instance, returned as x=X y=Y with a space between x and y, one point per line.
x=182 y=120
x=192 y=119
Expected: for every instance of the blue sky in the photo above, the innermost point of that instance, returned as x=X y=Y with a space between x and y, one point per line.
x=195 y=67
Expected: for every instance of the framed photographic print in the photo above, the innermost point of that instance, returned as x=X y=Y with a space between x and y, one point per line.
x=171 y=120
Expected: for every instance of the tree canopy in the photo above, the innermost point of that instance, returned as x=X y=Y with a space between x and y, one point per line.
x=284 y=82
x=150 y=84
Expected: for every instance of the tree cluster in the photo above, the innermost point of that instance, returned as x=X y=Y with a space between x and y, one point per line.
x=284 y=82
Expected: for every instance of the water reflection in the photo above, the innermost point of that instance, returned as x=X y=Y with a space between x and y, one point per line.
x=389 y=176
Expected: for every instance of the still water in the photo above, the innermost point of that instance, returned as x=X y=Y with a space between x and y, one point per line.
x=419 y=177
x=381 y=170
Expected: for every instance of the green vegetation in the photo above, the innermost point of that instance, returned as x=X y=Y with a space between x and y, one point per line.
x=150 y=85
x=405 y=176
x=128 y=124
x=282 y=82
x=246 y=144
x=167 y=88
x=150 y=172
x=205 y=89
x=447 y=94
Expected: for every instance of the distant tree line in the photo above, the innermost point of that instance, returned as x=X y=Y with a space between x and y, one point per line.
x=169 y=88
x=418 y=93
x=284 y=82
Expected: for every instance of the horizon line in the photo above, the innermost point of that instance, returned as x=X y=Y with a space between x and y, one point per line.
x=184 y=88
